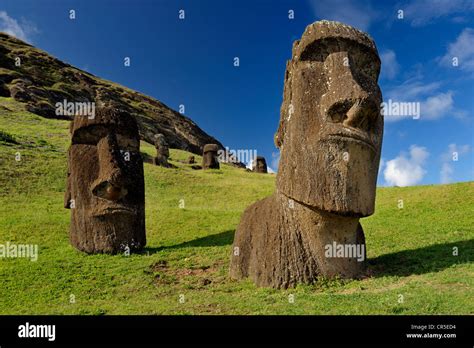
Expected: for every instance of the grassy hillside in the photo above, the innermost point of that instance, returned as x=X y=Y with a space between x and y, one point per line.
x=410 y=250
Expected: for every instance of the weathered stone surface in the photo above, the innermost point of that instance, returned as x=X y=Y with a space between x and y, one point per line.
x=259 y=165
x=330 y=136
x=162 y=151
x=210 y=157
x=105 y=183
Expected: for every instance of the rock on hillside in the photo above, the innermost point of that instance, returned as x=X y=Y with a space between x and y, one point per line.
x=40 y=81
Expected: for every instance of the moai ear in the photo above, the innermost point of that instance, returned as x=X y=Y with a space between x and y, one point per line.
x=286 y=109
x=71 y=126
x=278 y=139
x=67 y=194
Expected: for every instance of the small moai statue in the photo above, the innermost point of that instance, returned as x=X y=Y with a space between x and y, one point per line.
x=259 y=165
x=210 y=157
x=105 y=188
x=330 y=138
x=191 y=160
x=162 y=151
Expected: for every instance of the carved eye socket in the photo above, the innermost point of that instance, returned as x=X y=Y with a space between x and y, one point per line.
x=93 y=134
x=369 y=70
x=89 y=135
x=126 y=143
x=367 y=65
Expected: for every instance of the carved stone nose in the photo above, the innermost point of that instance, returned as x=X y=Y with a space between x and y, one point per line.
x=109 y=191
x=347 y=104
x=355 y=114
x=109 y=184
x=358 y=116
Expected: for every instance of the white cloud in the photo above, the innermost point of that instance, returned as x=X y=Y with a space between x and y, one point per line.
x=357 y=14
x=446 y=172
x=454 y=149
x=449 y=158
x=463 y=50
x=412 y=89
x=390 y=66
x=434 y=104
x=423 y=12
x=275 y=160
x=382 y=164
x=406 y=171
x=11 y=26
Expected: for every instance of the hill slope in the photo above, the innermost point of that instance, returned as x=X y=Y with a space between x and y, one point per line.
x=40 y=81
x=412 y=269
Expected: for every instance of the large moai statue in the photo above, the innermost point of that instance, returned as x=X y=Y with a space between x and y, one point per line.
x=162 y=151
x=210 y=157
x=259 y=165
x=330 y=137
x=105 y=183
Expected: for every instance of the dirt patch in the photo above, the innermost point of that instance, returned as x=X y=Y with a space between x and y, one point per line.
x=196 y=277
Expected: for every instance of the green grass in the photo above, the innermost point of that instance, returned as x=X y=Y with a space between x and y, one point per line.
x=410 y=250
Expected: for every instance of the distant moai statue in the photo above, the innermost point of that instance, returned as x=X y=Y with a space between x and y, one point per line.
x=105 y=188
x=335 y=111
x=162 y=151
x=210 y=157
x=259 y=165
x=191 y=160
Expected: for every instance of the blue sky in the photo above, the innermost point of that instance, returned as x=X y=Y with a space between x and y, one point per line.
x=191 y=62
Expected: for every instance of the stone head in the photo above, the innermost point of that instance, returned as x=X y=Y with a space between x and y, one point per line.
x=105 y=184
x=161 y=145
x=330 y=131
x=260 y=165
x=210 y=156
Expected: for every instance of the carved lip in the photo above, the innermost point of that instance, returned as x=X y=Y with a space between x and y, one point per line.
x=115 y=210
x=355 y=136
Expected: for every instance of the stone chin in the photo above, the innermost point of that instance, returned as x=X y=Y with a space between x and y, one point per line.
x=337 y=175
x=107 y=232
